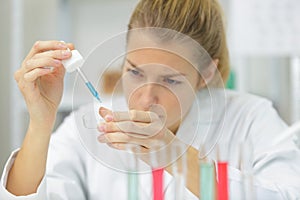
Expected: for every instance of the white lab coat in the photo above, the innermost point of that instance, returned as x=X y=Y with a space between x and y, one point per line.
x=72 y=173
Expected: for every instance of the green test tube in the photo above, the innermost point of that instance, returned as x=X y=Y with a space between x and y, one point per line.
x=132 y=171
x=132 y=186
x=207 y=180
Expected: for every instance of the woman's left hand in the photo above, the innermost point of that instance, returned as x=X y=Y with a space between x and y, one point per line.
x=135 y=127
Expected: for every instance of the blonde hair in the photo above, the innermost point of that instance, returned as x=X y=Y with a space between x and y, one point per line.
x=202 y=20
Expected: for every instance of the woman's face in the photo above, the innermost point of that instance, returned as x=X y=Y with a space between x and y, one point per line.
x=154 y=77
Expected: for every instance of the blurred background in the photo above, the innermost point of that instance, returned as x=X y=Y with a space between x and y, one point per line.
x=263 y=38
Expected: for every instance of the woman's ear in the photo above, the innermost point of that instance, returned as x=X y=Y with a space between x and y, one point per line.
x=208 y=74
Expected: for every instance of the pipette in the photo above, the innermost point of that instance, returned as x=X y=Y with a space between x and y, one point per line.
x=75 y=63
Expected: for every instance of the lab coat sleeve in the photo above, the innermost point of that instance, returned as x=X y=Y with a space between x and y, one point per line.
x=276 y=167
x=6 y=195
x=65 y=170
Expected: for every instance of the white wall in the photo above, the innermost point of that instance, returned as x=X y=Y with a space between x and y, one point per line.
x=4 y=79
x=263 y=37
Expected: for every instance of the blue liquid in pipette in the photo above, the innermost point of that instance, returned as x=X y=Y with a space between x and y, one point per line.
x=93 y=91
x=88 y=84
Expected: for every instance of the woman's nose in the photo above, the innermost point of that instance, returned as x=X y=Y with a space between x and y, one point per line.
x=149 y=95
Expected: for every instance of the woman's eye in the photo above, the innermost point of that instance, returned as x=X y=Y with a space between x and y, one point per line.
x=134 y=72
x=172 y=81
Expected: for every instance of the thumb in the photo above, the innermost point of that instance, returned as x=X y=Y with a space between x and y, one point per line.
x=106 y=114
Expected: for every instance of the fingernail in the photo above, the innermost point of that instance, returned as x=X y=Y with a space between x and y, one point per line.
x=57 y=62
x=108 y=118
x=36 y=44
x=102 y=110
x=62 y=44
x=66 y=53
x=101 y=128
x=101 y=138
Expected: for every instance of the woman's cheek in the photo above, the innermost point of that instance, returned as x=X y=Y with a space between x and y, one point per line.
x=130 y=94
x=173 y=109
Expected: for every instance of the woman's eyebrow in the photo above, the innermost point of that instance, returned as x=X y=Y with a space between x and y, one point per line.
x=134 y=65
x=173 y=75
x=167 y=75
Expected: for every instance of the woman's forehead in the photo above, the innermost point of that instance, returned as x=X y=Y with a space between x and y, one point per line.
x=166 y=47
x=159 y=58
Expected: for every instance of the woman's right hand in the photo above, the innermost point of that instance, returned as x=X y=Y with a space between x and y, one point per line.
x=40 y=79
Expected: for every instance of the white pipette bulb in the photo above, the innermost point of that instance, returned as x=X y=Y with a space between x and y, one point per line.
x=74 y=62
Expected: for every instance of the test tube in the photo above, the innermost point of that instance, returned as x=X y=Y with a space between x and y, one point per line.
x=222 y=172
x=132 y=172
x=246 y=159
x=207 y=179
x=133 y=186
x=179 y=168
x=157 y=175
x=157 y=156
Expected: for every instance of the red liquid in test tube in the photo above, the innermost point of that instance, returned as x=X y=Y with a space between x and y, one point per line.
x=158 y=193
x=222 y=184
x=156 y=157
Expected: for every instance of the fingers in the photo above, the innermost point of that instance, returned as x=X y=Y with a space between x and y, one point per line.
x=118 y=137
x=49 y=58
x=39 y=63
x=55 y=54
x=132 y=115
x=41 y=46
x=106 y=113
x=71 y=46
x=136 y=129
x=17 y=75
x=135 y=115
x=38 y=72
x=45 y=55
x=43 y=58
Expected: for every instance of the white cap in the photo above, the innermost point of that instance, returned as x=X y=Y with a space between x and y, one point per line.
x=74 y=62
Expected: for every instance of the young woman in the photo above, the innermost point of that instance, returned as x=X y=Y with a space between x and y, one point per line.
x=58 y=166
